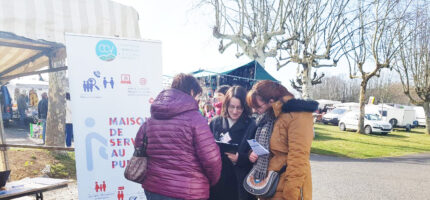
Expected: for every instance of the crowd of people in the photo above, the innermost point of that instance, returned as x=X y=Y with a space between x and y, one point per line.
x=185 y=160
x=25 y=102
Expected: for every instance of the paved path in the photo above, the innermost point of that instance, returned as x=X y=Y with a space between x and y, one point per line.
x=19 y=135
x=334 y=178
x=406 y=177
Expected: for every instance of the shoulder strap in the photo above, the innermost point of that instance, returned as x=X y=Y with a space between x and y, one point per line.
x=140 y=149
x=145 y=138
x=283 y=169
x=141 y=138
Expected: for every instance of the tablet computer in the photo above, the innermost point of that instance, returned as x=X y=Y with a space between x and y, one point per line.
x=227 y=147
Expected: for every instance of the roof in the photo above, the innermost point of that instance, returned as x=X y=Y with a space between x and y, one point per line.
x=257 y=72
x=20 y=54
x=31 y=31
x=48 y=20
x=252 y=70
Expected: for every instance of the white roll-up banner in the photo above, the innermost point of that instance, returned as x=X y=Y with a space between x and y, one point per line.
x=112 y=81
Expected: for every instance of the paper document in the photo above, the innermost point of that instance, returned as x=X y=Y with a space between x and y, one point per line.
x=225 y=137
x=257 y=147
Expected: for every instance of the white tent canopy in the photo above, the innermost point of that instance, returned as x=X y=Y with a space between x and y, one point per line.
x=32 y=30
x=49 y=19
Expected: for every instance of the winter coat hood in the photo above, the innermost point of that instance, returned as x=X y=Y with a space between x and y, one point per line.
x=172 y=102
x=289 y=104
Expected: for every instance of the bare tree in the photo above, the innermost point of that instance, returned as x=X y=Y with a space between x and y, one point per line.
x=302 y=31
x=387 y=88
x=414 y=60
x=337 y=88
x=341 y=88
x=252 y=26
x=378 y=25
x=297 y=83
x=56 y=119
x=319 y=27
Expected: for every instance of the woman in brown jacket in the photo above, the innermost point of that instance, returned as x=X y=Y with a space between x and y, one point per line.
x=288 y=133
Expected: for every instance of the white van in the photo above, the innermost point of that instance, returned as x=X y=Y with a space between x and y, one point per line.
x=420 y=116
x=396 y=115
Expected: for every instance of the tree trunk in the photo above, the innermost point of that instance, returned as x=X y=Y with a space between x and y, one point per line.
x=261 y=61
x=307 y=82
x=362 y=106
x=56 y=119
x=426 y=107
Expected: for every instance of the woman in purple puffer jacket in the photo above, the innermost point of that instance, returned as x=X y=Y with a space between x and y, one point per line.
x=184 y=160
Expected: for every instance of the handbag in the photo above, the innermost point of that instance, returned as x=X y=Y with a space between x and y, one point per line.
x=136 y=168
x=264 y=188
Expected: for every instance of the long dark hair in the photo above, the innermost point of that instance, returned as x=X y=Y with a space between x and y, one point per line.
x=237 y=92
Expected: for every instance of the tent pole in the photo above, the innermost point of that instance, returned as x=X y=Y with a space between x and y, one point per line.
x=4 y=158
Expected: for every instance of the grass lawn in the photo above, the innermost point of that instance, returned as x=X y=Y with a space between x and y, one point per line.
x=329 y=140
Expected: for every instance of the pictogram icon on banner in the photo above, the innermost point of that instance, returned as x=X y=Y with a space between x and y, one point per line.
x=125 y=79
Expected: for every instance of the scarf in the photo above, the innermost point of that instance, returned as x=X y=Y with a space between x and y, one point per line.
x=265 y=124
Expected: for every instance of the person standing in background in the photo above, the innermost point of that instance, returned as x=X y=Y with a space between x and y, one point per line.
x=42 y=112
x=22 y=108
x=208 y=111
x=69 y=127
x=33 y=98
x=219 y=98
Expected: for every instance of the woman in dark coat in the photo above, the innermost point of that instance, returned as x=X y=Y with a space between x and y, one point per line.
x=233 y=126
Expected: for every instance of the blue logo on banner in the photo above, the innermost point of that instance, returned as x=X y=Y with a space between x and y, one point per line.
x=106 y=50
x=92 y=138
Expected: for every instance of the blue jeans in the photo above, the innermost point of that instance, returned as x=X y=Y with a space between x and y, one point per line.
x=69 y=134
x=22 y=117
x=155 y=196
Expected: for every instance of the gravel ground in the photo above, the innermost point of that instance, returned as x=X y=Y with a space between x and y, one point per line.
x=69 y=193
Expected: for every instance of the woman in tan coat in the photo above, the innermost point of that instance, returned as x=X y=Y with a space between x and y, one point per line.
x=288 y=134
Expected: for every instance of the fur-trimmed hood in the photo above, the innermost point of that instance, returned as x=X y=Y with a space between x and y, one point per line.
x=289 y=104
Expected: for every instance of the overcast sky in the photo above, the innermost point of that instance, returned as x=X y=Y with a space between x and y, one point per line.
x=187 y=41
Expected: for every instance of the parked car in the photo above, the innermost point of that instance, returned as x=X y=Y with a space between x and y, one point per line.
x=6 y=104
x=333 y=116
x=372 y=123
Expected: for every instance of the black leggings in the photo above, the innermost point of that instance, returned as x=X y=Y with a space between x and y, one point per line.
x=155 y=196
